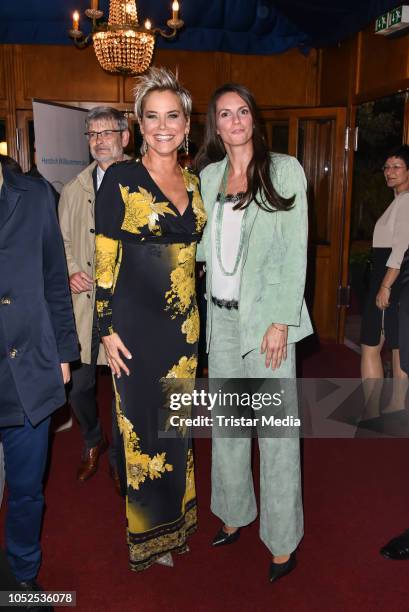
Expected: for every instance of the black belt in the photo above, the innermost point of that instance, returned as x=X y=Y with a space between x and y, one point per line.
x=229 y=304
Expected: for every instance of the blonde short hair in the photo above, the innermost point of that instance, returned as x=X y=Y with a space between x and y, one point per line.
x=160 y=79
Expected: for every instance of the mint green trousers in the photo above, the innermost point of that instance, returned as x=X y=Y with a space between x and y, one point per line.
x=233 y=499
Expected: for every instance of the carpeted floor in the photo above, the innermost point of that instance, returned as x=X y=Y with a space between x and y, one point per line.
x=355 y=498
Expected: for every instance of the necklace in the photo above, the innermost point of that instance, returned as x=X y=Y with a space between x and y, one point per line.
x=219 y=224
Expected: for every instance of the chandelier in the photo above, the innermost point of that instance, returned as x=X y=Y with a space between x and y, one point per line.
x=122 y=45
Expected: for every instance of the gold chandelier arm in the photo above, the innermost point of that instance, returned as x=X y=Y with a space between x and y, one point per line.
x=79 y=40
x=164 y=33
x=173 y=24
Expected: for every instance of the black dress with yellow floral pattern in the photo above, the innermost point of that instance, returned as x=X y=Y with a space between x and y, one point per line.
x=145 y=275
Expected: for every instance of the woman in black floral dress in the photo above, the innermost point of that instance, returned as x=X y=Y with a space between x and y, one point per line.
x=149 y=217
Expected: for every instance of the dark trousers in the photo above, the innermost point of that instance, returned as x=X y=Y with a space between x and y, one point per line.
x=83 y=393
x=83 y=399
x=25 y=455
x=7 y=581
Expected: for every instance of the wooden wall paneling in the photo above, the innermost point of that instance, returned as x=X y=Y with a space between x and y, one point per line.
x=66 y=74
x=319 y=76
x=4 y=77
x=314 y=79
x=19 y=77
x=23 y=156
x=199 y=72
x=286 y=79
x=383 y=65
x=62 y=73
x=364 y=68
x=405 y=135
x=11 y=135
x=8 y=87
x=338 y=67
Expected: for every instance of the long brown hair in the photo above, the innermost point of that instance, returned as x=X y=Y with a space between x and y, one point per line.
x=260 y=187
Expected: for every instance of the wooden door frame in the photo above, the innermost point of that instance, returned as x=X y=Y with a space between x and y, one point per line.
x=339 y=219
x=346 y=227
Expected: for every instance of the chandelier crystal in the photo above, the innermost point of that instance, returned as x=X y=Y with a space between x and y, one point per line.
x=122 y=44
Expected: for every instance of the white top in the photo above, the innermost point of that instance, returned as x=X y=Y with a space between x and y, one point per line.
x=392 y=230
x=100 y=176
x=227 y=287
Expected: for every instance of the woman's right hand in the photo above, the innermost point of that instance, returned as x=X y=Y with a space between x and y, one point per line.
x=113 y=346
x=382 y=298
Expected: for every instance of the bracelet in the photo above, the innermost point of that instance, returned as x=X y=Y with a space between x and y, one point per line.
x=280 y=330
x=385 y=287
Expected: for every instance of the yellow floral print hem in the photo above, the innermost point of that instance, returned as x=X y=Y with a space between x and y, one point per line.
x=190 y=480
x=139 y=465
x=144 y=554
x=141 y=209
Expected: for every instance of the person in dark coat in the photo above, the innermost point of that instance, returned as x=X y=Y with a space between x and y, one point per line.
x=37 y=342
x=6 y=160
x=398 y=547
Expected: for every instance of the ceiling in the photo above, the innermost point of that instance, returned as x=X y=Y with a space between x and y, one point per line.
x=238 y=26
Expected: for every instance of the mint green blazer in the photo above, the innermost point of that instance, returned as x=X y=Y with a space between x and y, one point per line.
x=274 y=255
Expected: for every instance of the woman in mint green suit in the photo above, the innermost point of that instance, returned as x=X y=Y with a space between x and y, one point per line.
x=255 y=248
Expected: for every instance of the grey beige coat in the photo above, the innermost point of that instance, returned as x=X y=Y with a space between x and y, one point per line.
x=76 y=213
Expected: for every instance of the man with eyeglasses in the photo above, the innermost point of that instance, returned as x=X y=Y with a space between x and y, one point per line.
x=108 y=135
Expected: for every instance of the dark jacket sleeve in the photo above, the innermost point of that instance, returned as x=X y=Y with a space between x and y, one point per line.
x=404 y=314
x=56 y=287
x=108 y=220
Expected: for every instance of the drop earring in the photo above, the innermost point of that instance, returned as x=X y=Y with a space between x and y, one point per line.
x=186 y=144
x=144 y=147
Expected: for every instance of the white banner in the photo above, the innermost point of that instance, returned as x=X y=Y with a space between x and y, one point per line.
x=61 y=147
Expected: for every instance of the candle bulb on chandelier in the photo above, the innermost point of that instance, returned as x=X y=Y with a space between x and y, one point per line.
x=175 y=10
x=148 y=24
x=75 y=21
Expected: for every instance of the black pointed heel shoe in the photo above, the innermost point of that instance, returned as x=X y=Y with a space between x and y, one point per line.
x=278 y=570
x=397 y=548
x=221 y=538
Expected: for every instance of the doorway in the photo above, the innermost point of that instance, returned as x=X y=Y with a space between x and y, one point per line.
x=381 y=128
x=316 y=136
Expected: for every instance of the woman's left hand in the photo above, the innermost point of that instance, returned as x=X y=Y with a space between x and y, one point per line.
x=382 y=298
x=274 y=345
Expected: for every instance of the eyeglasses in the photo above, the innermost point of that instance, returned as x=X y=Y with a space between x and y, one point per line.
x=104 y=134
x=393 y=167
